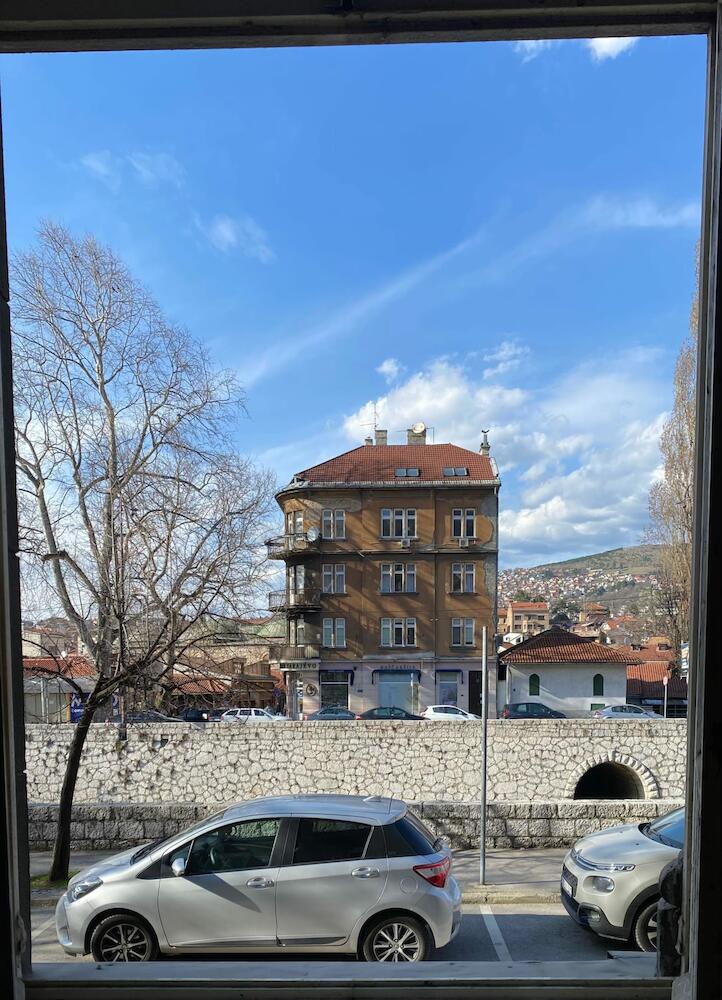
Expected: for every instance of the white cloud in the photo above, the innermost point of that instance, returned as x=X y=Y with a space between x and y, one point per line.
x=608 y=48
x=532 y=48
x=600 y=49
x=157 y=168
x=577 y=455
x=351 y=316
x=507 y=356
x=390 y=369
x=602 y=213
x=243 y=233
x=103 y=166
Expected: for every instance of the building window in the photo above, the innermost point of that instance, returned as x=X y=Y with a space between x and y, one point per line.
x=334 y=633
x=334 y=688
x=294 y=522
x=598 y=685
x=462 y=631
x=462 y=578
x=334 y=578
x=398 y=631
x=398 y=578
x=463 y=522
x=401 y=473
x=534 y=684
x=333 y=524
x=398 y=523
x=296 y=576
x=501 y=671
x=447 y=689
x=456 y=472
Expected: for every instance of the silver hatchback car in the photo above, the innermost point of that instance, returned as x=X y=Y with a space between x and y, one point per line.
x=302 y=873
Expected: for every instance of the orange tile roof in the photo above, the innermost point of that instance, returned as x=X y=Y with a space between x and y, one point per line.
x=64 y=666
x=644 y=680
x=557 y=645
x=199 y=685
x=378 y=463
x=647 y=653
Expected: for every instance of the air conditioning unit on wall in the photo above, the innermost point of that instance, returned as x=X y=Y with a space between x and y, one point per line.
x=463 y=543
x=405 y=543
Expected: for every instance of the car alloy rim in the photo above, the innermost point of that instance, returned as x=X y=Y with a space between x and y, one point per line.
x=124 y=943
x=652 y=929
x=396 y=942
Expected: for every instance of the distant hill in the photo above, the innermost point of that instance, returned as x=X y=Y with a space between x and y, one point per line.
x=636 y=560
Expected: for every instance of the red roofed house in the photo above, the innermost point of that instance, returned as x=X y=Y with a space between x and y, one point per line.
x=47 y=686
x=564 y=671
x=525 y=618
x=645 y=687
x=390 y=555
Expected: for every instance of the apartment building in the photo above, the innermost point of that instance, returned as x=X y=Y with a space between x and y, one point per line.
x=390 y=555
x=524 y=618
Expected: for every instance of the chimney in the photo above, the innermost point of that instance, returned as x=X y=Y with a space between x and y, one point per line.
x=382 y=437
x=416 y=434
x=484 y=447
x=368 y=441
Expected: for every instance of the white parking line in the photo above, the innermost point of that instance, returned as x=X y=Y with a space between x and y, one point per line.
x=497 y=938
x=38 y=931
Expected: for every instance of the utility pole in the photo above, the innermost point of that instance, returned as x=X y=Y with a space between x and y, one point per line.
x=665 y=682
x=484 y=734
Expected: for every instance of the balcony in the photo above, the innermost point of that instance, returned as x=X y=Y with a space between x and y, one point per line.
x=285 y=546
x=295 y=656
x=304 y=599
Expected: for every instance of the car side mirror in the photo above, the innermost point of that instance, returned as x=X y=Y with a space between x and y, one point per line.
x=178 y=867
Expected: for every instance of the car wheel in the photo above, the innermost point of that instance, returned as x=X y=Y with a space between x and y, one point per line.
x=396 y=939
x=122 y=937
x=644 y=932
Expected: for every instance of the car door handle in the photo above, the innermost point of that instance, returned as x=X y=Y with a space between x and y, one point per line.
x=365 y=873
x=260 y=883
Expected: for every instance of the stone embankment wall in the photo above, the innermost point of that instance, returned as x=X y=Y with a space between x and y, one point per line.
x=509 y=824
x=214 y=764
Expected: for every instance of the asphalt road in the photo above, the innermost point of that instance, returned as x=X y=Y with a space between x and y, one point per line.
x=519 y=932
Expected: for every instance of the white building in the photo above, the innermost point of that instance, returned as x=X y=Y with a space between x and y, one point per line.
x=566 y=672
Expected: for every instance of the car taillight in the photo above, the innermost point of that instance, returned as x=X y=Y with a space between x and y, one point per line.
x=436 y=873
x=505 y=714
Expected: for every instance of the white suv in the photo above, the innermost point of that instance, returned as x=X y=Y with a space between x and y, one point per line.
x=610 y=879
x=251 y=715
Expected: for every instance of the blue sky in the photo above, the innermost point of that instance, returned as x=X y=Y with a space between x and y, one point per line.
x=477 y=235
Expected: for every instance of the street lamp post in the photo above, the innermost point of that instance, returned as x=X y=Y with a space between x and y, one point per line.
x=484 y=734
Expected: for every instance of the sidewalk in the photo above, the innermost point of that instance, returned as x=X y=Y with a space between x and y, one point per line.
x=512 y=876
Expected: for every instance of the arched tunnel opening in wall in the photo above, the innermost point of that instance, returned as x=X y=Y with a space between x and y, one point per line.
x=609 y=781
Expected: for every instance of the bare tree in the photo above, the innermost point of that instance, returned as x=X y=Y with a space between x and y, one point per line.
x=671 y=499
x=141 y=520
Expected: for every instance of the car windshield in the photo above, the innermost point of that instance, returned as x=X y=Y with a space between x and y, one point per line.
x=667 y=829
x=147 y=849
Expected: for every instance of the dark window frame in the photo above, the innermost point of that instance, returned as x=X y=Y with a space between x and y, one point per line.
x=53 y=25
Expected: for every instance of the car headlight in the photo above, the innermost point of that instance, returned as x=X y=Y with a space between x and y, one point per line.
x=602 y=884
x=82 y=888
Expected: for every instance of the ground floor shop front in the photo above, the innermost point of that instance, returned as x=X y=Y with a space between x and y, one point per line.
x=412 y=686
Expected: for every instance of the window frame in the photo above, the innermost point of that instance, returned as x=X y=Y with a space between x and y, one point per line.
x=126 y=25
x=406 y=626
x=392 y=518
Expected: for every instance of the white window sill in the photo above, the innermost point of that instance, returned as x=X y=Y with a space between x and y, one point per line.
x=625 y=975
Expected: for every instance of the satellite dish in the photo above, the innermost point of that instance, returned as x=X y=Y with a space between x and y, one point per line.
x=419 y=428
x=312 y=534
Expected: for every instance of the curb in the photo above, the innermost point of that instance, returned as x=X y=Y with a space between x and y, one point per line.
x=497 y=894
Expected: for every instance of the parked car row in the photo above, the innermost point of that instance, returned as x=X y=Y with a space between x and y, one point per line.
x=337 y=713
x=380 y=882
